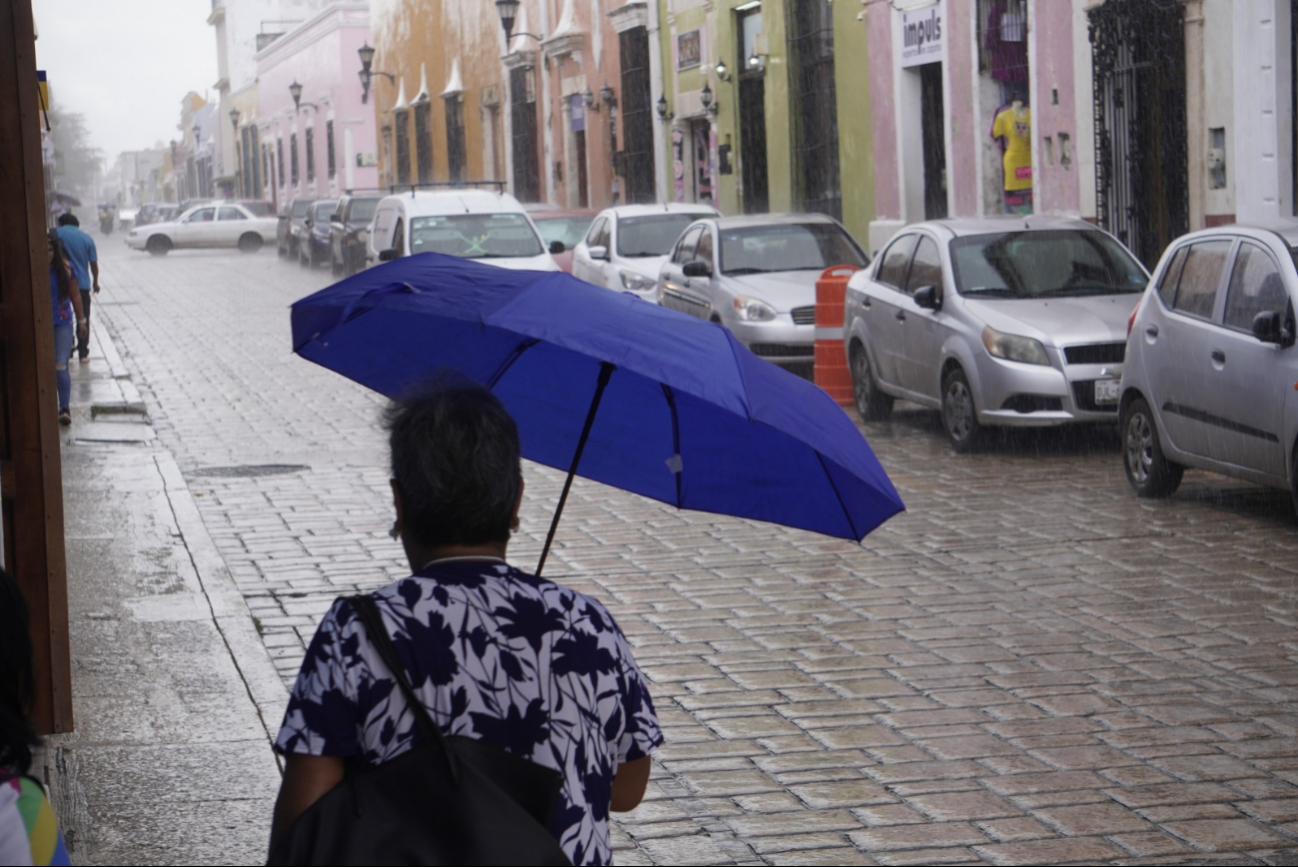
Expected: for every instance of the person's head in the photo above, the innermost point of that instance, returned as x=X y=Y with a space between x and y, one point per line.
x=69 y=219
x=17 y=678
x=455 y=464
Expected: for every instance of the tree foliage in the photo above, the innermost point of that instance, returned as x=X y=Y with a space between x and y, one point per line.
x=77 y=163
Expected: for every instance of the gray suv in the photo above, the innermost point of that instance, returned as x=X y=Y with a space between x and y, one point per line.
x=1211 y=369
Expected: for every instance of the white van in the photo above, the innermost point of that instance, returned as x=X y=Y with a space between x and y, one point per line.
x=491 y=227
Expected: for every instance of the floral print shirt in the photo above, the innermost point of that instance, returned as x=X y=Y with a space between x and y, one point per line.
x=493 y=653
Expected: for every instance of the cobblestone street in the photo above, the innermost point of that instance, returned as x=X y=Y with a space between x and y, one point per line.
x=1029 y=666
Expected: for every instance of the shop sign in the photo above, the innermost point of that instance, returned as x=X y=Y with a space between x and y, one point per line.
x=921 y=35
x=689 y=50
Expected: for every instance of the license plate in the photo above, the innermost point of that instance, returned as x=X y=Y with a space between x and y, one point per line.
x=1106 y=391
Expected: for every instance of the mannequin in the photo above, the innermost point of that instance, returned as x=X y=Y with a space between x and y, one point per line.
x=1006 y=41
x=1013 y=129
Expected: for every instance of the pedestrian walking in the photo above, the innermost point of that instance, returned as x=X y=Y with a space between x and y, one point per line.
x=29 y=829
x=494 y=654
x=79 y=248
x=66 y=301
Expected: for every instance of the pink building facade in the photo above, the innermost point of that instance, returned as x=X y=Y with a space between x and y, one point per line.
x=944 y=78
x=323 y=144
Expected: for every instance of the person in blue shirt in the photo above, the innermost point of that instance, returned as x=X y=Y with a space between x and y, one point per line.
x=79 y=248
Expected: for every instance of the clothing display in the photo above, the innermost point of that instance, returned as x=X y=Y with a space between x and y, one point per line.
x=1013 y=126
x=494 y=653
x=1006 y=40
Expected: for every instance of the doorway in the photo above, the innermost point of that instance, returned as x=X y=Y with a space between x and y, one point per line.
x=932 y=122
x=752 y=115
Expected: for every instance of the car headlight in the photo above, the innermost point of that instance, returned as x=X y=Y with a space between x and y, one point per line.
x=753 y=309
x=362 y=236
x=1012 y=347
x=635 y=281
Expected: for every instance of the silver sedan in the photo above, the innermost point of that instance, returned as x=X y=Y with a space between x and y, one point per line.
x=757 y=276
x=1001 y=321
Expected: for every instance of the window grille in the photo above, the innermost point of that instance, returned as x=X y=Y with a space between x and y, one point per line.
x=424 y=141
x=310 y=154
x=403 y=146
x=455 y=156
x=817 y=177
x=330 y=155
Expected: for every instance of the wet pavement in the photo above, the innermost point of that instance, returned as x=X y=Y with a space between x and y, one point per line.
x=1029 y=666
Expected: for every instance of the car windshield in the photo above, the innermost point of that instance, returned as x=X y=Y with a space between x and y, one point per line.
x=1060 y=263
x=569 y=230
x=475 y=236
x=652 y=235
x=363 y=209
x=787 y=247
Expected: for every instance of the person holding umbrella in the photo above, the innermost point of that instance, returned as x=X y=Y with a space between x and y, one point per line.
x=491 y=652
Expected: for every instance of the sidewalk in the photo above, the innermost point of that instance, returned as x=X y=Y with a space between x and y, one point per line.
x=174 y=696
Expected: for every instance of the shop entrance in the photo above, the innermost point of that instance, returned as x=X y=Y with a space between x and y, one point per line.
x=932 y=122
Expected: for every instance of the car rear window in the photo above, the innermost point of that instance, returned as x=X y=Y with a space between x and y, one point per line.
x=475 y=236
x=652 y=235
x=363 y=209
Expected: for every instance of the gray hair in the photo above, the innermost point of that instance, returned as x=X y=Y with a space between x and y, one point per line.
x=455 y=456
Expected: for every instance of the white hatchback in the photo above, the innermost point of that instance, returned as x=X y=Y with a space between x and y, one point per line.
x=626 y=246
x=491 y=227
x=223 y=224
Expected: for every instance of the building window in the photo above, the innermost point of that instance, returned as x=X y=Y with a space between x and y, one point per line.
x=424 y=141
x=403 y=147
x=330 y=155
x=310 y=154
x=455 y=137
x=522 y=105
x=292 y=159
x=817 y=184
x=637 y=116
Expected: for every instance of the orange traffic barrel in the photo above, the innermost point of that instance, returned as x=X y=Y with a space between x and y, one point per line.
x=831 y=371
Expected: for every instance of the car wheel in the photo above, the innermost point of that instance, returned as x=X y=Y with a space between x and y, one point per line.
x=959 y=415
x=871 y=403
x=158 y=245
x=250 y=242
x=1149 y=472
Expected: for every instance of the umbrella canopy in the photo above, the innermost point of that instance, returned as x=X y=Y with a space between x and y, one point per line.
x=666 y=405
x=66 y=198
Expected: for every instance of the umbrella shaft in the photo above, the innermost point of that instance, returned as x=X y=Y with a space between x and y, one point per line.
x=605 y=371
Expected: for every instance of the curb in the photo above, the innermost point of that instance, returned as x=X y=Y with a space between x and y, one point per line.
x=230 y=612
x=100 y=335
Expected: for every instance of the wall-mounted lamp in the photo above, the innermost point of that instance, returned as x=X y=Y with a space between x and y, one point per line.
x=295 y=91
x=197 y=131
x=367 y=73
x=608 y=97
x=234 y=118
x=508 y=11
x=756 y=62
x=723 y=74
x=710 y=105
x=664 y=114
x=588 y=99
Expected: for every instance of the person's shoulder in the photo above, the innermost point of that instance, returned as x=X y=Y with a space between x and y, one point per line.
x=595 y=614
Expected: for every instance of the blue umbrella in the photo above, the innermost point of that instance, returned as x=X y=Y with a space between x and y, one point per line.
x=625 y=392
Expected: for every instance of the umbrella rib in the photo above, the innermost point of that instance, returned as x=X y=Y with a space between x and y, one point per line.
x=676 y=439
x=509 y=361
x=846 y=513
x=606 y=369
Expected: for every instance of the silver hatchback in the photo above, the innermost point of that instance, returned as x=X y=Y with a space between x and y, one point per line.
x=1002 y=321
x=1211 y=370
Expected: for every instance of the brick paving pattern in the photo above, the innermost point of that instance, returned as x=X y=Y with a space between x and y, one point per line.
x=1029 y=666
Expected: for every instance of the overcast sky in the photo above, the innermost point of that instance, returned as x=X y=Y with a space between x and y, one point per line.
x=125 y=64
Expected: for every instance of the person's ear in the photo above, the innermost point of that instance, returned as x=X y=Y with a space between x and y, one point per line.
x=518 y=505
x=398 y=506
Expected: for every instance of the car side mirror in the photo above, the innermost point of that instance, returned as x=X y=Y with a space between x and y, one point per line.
x=697 y=269
x=600 y=252
x=1268 y=327
x=927 y=297
x=557 y=247
x=387 y=255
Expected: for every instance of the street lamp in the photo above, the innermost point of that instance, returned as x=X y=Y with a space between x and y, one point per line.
x=367 y=73
x=664 y=114
x=508 y=11
x=295 y=90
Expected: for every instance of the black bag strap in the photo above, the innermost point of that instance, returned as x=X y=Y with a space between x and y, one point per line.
x=367 y=611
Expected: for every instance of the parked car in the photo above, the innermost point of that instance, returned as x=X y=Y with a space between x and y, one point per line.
x=348 y=231
x=1210 y=370
x=475 y=224
x=288 y=232
x=567 y=227
x=313 y=244
x=998 y=321
x=757 y=276
x=225 y=225
x=126 y=217
x=144 y=215
x=626 y=246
